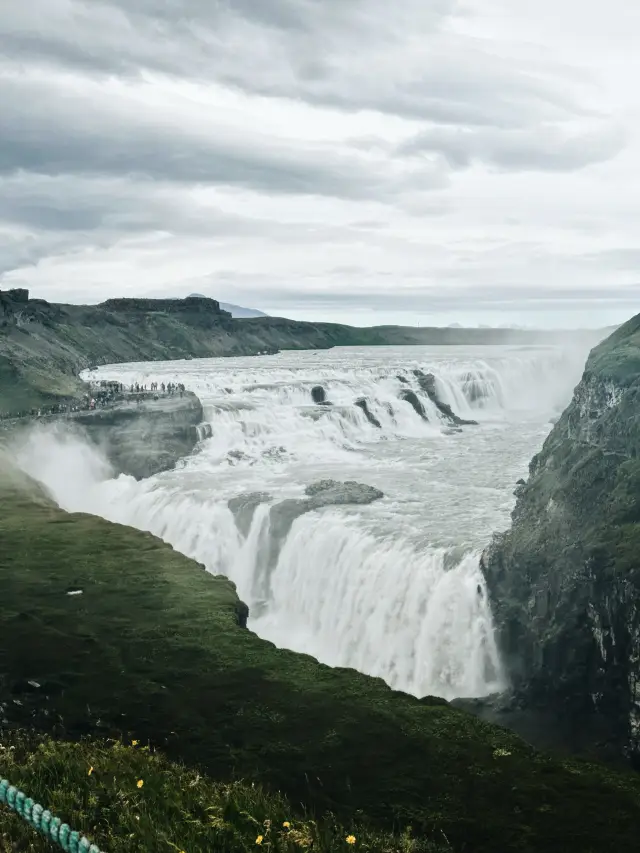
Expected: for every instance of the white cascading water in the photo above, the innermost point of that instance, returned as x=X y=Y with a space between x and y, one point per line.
x=393 y=588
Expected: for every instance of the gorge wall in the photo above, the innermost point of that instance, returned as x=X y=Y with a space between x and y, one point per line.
x=564 y=581
x=144 y=438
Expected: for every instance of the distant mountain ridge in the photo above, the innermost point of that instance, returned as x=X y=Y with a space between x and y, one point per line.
x=236 y=311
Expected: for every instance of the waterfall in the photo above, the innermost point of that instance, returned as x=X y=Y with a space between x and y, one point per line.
x=393 y=588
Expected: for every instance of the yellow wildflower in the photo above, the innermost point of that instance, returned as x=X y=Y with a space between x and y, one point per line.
x=259 y=839
x=140 y=783
x=497 y=753
x=135 y=742
x=286 y=824
x=350 y=839
x=90 y=771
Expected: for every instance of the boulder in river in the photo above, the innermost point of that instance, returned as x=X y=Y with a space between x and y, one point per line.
x=319 y=396
x=317 y=495
x=326 y=492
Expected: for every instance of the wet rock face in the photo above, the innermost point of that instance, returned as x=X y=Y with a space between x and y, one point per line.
x=564 y=580
x=319 y=396
x=142 y=440
x=427 y=383
x=414 y=401
x=364 y=405
x=242 y=613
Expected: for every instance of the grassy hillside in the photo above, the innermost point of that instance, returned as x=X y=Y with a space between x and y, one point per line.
x=151 y=650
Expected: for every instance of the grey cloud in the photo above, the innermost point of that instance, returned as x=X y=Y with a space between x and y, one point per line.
x=20 y=250
x=82 y=137
x=40 y=203
x=381 y=296
x=80 y=167
x=295 y=49
x=550 y=148
x=43 y=216
x=619 y=259
x=119 y=35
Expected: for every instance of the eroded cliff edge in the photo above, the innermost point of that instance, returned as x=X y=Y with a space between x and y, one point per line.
x=146 y=436
x=564 y=581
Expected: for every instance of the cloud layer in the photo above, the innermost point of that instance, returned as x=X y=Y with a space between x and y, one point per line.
x=347 y=159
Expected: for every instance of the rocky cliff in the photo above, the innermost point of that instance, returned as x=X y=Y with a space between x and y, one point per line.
x=565 y=579
x=146 y=437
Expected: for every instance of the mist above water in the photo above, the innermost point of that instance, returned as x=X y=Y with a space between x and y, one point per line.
x=392 y=588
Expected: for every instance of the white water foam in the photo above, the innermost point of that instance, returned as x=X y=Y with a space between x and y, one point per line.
x=393 y=589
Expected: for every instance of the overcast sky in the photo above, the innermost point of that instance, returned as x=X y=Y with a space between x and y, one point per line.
x=366 y=161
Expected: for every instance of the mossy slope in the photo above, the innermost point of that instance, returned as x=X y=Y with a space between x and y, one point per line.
x=151 y=650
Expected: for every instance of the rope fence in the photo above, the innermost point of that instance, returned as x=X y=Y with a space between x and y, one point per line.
x=43 y=821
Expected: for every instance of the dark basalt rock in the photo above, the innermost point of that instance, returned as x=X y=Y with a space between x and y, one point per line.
x=202 y=305
x=16 y=309
x=319 y=396
x=362 y=403
x=427 y=383
x=412 y=398
x=242 y=613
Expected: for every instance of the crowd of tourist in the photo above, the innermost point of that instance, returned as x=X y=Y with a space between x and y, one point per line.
x=101 y=394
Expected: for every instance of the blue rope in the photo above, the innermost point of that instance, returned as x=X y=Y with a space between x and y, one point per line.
x=43 y=821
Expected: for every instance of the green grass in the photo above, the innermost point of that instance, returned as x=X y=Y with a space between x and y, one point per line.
x=127 y=798
x=152 y=651
x=617 y=358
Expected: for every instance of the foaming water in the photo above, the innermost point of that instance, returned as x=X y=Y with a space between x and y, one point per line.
x=394 y=588
x=385 y=608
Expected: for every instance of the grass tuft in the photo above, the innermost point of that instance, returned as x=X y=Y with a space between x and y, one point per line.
x=128 y=798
